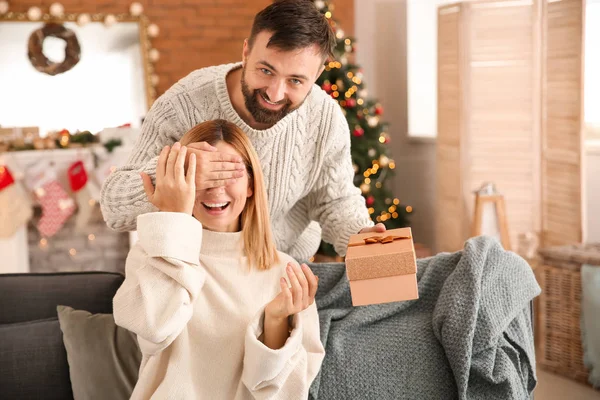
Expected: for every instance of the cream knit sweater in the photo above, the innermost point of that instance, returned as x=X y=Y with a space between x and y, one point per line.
x=305 y=158
x=197 y=310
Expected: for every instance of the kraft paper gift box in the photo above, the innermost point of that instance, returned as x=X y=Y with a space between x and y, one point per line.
x=382 y=267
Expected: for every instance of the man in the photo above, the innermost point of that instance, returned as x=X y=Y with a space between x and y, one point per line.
x=298 y=131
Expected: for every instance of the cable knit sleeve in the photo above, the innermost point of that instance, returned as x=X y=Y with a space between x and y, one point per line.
x=162 y=279
x=122 y=197
x=286 y=373
x=335 y=202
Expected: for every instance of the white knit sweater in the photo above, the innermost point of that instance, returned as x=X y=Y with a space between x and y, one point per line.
x=305 y=158
x=198 y=311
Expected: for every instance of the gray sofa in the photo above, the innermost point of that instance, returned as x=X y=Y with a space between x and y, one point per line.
x=396 y=351
x=33 y=359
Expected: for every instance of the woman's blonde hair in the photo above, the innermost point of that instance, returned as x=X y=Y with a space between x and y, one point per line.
x=256 y=225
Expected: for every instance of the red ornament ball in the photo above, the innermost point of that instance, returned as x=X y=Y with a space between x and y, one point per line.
x=351 y=103
x=326 y=87
x=370 y=201
x=378 y=110
x=358 y=131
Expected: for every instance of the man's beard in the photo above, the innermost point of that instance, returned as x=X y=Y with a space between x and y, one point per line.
x=258 y=112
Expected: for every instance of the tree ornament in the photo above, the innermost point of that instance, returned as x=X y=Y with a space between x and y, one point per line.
x=373 y=121
x=370 y=201
x=358 y=131
x=384 y=161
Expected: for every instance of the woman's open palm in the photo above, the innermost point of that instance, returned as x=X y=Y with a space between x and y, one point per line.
x=298 y=297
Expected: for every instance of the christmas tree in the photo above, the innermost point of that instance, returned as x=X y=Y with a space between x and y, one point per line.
x=373 y=165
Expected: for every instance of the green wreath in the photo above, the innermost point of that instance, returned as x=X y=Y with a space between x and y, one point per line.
x=35 y=49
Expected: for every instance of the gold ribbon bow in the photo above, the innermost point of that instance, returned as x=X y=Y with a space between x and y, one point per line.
x=379 y=239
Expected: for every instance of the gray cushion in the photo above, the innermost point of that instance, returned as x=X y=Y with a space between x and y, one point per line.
x=30 y=297
x=104 y=359
x=33 y=361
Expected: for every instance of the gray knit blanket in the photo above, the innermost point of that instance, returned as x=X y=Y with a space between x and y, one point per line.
x=468 y=336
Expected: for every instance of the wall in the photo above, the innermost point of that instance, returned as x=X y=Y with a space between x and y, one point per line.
x=380 y=27
x=592 y=63
x=193 y=33
x=592 y=170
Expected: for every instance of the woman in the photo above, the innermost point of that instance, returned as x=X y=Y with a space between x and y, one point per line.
x=219 y=313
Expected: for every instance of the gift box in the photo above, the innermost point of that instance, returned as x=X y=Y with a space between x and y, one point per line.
x=382 y=267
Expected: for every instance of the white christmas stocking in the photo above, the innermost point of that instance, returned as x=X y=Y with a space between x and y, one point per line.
x=15 y=205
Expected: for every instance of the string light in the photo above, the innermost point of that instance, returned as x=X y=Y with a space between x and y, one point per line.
x=360 y=102
x=91 y=237
x=43 y=243
x=392 y=209
x=328 y=15
x=381 y=139
x=336 y=94
x=392 y=165
x=396 y=202
x=348 y=41
x=409 y=209
x=367 y=181
x=378 y=185
x=349 y=75
x=371 y=210
x=395 y=215
x=73 y=252
x=334 y=87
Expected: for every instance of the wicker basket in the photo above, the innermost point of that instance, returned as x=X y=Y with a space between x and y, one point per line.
x=559 y=275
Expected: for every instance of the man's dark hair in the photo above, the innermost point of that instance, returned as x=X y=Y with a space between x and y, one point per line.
x=295 y=24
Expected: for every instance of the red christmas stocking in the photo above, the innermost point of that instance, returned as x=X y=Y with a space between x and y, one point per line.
x=78 y=179
x=56 y=204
